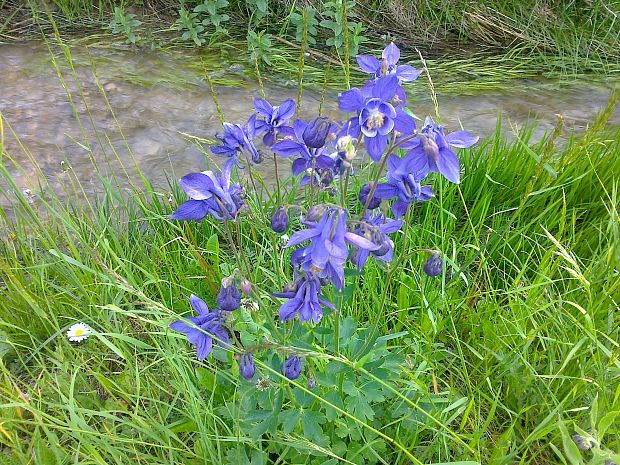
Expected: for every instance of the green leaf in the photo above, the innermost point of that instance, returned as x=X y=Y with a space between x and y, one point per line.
x=570 y=448
x=289 y=419
x=359 y=407
x=333 y=398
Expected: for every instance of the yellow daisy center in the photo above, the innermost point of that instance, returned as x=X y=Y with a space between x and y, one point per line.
x=79 y=332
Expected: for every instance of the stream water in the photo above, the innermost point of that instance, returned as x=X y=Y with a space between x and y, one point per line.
x=159 y=98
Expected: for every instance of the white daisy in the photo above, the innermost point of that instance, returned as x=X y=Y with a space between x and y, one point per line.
x=78 y=332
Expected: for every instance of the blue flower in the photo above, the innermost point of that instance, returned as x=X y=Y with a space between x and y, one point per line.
x=388 y=65
x=246 y=366
x=303 y=300
x=229 y=298
x=202 y=329
x=375 y=228
x=316 y=132
x=327 y=253
x=431 y=151
x=376 y=117
x=364 y=192
x=210 y=195
x=404 y=183
x=275 y=119
x=310 y=157
x=291 y=368
x=433 y=265
x=237 y=140
x=280 y=220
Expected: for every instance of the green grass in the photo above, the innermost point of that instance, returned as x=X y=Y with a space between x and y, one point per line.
x=518 y=337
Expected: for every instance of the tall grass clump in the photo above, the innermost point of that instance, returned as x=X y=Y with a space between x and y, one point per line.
x=491 y=336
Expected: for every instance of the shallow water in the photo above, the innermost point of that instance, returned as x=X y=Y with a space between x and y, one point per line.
x=158 y=99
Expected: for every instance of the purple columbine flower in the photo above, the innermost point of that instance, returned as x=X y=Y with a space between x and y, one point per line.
x=280 y=220
x=237 y=140
x=316 y=132
x=291 y=367
x=275 y=119
x=202 y=329
x=403 y=183
x=388 y=65
x=433 y=265
x=363 y=196
x=316 y=158
x=376 y=117
x=375 y=228
x=327 y=253
x=210 y=195
x=229 y=298
x=303 y=299
x=246 y=366
x=431 y=151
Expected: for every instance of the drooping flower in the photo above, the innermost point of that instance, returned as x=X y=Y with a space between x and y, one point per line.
x=210 y=195
x=246 y=366
x=316 y=132
x=313 y=158
x=433 y=265
x=327 y=252
x=403 y=183
x=364 y=192
x=78 y=332
x=376 y=117
x=202 y=329
x=229 y=298
x=279 y=220
x=375 y=228
x=431 y=151
x=275 y=119
x=291 y=367
x=303 y=299
x=237 y=140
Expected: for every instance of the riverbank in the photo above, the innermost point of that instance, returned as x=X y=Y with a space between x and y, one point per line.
x=468 y=46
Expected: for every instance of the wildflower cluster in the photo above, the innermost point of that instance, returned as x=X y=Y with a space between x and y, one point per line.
x=334 y=234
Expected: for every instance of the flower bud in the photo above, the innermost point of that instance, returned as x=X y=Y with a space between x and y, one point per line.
x=311 y=383
x=316 y=132
x=229 y=298
x=291 y=368
x=246 y=286
x=291 y=286
x=246 y=366
x=583 y=442
x=363 y=196
x=316 y=213
x=279 y=221
x=433 y=265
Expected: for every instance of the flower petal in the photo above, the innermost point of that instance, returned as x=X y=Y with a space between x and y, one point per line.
x=203 y=347
x=351 y=100
x=302 y=236
x=376 y=146
x=448 y=165
x=404 y=122
x=286 y=110
x=391 y=53
x=191 y=210
x=197 y=185
x=386 y=191
x=199 y=305
x=407 y=73
x=263 y=107
x=368 y=63
x=385 y=87
x=287 y=148
x=360 y=241
x=461 y=139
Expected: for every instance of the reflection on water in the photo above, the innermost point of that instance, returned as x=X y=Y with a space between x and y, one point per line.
x=156 y=118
